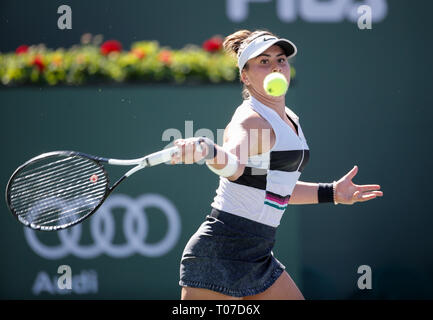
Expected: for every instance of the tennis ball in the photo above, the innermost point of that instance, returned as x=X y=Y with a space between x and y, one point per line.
x=275 y=84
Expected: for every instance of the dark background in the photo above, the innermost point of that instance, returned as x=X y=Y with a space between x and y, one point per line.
x=363 y=98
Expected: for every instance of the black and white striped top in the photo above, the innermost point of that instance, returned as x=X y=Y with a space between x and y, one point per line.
x=262 y=193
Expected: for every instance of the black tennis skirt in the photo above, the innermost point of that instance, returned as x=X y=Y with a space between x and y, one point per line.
x=231 y=255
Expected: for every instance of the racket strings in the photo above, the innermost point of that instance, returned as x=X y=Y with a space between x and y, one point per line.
x=57 y=191
x=55 y=208
x=55 y=165
x=68 y=180
x=24 y=179
x=66 y=213
x=47 y=209
x=53 y=192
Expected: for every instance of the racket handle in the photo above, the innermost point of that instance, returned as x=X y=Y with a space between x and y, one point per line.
x=159 y=157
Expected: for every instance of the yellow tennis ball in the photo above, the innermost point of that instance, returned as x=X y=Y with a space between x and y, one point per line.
x=275 y=84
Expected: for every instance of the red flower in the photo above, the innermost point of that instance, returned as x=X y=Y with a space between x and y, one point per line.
x=165 y=56
x=38 y=62
x=22 y=49
x=213 y=44
x=111 y=46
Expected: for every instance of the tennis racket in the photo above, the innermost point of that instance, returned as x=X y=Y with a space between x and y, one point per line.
x=59 y=189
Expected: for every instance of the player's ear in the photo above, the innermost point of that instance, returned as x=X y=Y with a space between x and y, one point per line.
x=244 y=78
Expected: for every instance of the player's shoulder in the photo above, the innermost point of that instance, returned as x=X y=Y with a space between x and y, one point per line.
x=249 y=119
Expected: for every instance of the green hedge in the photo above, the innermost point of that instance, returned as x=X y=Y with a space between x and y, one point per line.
x=145 y=62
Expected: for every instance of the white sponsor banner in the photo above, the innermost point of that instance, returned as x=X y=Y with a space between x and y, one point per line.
x=314 y=11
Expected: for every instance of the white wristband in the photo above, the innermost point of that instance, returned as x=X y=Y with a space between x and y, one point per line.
x=229 y=169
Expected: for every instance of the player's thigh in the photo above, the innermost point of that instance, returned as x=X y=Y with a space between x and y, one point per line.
x=189 y=293
x=282 y=289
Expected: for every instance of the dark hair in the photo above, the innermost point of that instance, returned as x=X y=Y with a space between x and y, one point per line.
x=235 y=43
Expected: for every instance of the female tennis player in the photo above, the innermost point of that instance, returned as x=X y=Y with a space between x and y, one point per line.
x=262 y=157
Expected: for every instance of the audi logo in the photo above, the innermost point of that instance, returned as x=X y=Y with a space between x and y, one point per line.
x=103 y=229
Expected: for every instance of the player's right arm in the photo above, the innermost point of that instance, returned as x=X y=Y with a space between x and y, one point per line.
x=243 y=138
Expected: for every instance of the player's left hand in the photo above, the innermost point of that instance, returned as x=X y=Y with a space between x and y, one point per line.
x=348 y=193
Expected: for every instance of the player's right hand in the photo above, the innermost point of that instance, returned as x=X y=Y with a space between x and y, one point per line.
x=188 y=151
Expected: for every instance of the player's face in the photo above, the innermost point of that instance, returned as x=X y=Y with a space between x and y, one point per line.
x=271 y=60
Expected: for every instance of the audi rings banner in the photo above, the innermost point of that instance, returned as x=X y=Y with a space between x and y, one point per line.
x=103 y=229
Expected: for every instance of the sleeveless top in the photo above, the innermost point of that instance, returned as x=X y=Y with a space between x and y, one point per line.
x=263 y=191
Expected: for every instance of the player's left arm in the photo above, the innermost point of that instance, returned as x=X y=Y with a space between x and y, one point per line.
x=347 y=192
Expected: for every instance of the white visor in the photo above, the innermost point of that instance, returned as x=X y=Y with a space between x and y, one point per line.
x=261 y=44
